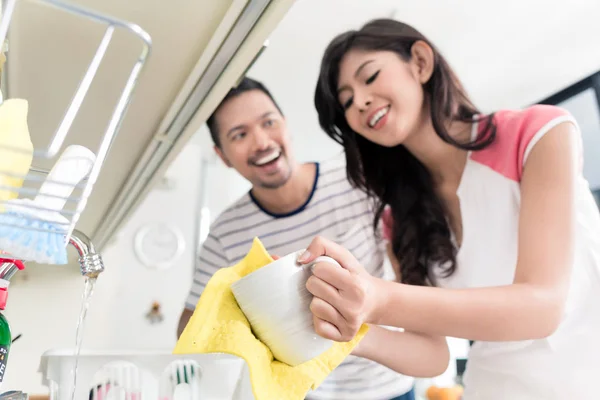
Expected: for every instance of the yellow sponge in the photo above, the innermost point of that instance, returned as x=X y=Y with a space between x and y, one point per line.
x=16 y=149
x=218 y=325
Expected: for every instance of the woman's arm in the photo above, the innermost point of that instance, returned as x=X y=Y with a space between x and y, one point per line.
x=414 y=354
x=529 y=308
x=504 y=313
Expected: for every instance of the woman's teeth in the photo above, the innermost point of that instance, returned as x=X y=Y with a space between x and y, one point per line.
x=267 y=159
x=380 y=114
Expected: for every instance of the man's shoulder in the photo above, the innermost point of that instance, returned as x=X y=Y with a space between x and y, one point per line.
x=241 y=208
x=333 y=178
x=332 y=171
x=334 y=163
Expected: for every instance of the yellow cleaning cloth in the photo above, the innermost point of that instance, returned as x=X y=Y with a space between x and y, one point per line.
x=218 y=325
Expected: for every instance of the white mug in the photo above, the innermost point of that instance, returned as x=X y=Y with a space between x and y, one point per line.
x=276 y=303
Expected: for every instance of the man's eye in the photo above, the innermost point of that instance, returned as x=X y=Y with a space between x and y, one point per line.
x=238 y=136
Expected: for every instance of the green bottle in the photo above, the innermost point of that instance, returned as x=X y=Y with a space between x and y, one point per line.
x=8 y=267
x=5 y=340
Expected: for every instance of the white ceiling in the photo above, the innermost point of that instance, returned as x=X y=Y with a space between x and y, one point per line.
x=508 y=53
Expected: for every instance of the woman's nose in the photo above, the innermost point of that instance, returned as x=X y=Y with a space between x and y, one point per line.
x=363 y=100
x=365 y=106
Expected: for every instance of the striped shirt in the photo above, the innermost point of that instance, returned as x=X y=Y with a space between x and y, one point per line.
x=334 y=210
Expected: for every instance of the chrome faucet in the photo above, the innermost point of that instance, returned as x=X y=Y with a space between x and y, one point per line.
x=90 y=262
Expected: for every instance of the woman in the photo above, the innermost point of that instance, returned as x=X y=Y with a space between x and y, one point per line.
x=494 y=228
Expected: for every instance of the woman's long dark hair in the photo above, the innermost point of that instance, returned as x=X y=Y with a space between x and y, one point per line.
x=393 y=176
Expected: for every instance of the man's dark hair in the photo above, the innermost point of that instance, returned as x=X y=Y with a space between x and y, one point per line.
x=246 y=85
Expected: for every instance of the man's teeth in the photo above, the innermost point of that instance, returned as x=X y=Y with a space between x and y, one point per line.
x=268 y=159
x=380 y=114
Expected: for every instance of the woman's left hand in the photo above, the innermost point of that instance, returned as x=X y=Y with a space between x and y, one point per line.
x=344 y=298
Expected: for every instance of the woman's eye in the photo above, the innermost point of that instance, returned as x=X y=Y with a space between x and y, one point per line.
x=372 y=78
x=347 y=104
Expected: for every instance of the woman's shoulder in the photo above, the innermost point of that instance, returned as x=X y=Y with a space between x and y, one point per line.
x=522 y=123
x=516 y=132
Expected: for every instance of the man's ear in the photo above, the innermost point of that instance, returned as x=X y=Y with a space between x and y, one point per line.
x=221 y=155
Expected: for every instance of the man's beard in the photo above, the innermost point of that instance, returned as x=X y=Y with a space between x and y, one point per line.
x=278 y=183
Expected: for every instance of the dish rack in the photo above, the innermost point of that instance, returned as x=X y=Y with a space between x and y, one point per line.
x=146 y=376
x=76 y=202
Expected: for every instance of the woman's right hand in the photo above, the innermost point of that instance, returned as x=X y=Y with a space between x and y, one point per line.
x=344 y=298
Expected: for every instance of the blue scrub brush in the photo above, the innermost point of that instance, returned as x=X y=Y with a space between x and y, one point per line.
x=35 y=230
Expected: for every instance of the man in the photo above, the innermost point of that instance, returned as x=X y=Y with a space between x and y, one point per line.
x=288 y=205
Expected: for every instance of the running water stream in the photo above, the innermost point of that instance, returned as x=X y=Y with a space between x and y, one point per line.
x=88 y=290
